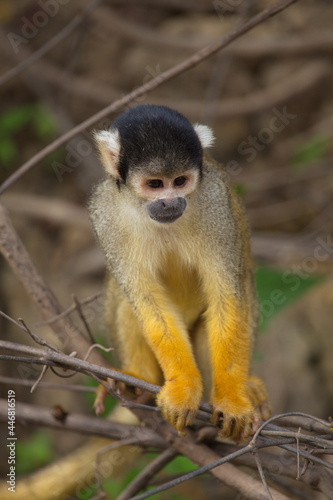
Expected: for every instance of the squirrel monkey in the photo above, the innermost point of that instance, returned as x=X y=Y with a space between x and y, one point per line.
x=180 y=298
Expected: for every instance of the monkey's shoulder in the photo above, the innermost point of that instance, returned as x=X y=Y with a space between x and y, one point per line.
x=215 y=170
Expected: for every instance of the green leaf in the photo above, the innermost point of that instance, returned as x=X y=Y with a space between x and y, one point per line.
x=278 y=288
x=16 y=118
x=241 y=189
x=44 y=123
x=34 y=452
x=8 y=151
x=311 y=152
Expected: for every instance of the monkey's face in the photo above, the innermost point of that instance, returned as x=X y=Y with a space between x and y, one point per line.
x=155 y=157
x=165 y=197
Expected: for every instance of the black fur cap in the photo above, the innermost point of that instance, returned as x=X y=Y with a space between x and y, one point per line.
x=157 y=137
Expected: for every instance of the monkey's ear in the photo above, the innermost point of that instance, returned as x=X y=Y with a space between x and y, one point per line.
x=108 y=144
x=205 y=135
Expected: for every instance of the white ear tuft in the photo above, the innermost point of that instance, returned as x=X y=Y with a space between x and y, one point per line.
x=108 y=144
x=205 y=135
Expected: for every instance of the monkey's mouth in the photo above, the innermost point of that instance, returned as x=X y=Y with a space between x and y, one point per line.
x=165 y=210
x=163 y=219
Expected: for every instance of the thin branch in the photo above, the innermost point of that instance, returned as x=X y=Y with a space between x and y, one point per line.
x=46 y=385
x=113 y=446
x=53 y=42
x=86 y=425
x=37 y=338
x=327 y=425
x=39 y=379
x=78 y=308
x=262 y=475
x=209 y=462
x=65 y=361
x=144 y=477
x=97 y=346
x=70 y=309
x=176 y=70
x=54 y=210
x=19 y=260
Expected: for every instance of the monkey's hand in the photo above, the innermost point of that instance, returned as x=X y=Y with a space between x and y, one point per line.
x=235 y=416
x=179 y=400
x=239 y=416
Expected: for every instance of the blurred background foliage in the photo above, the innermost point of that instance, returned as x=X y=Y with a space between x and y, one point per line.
x=269 y=100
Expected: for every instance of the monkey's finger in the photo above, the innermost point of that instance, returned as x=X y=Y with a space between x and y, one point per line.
x=101 y=395
x=232 y=427
x=244 y=432
x=265 y=410
x=217 y=418
x=184 y=419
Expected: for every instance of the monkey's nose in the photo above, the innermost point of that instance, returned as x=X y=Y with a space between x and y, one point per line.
x=167 y=209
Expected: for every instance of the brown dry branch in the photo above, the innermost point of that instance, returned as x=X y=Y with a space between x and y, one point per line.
x=19 y=260
x=53 y=42
x=292 y=46
x=205 y=457
x=148 y=473
x=306 y=466
x=55 y=211
x=85 y=425
x=176 y=70
x=92 y=90
x=46 y=385
x=58 y=359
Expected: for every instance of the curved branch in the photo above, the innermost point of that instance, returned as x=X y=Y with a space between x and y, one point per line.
x=176 y=70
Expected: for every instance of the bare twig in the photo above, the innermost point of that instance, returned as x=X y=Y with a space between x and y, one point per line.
x=63 y=33
x=65 y=361
x=262 y=475
x=144 y=477
x=71 y=309
x=97 y=346
x=39 y=379
x=86 y=425
x=19 y=260
x=46 y=385
x=209 y=462
x=56 y=211
x=78 y=307
x=176 y=70
x=37 y=338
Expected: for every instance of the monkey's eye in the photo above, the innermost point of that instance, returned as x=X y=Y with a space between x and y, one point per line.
x=180 y=181
x=155 y=183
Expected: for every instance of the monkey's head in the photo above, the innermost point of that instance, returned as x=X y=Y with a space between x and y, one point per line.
x=156 y=153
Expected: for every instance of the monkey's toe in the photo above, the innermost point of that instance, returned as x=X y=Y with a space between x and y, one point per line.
x=236 y=419
x=179 y=404
x=259 y=398
x=101 y=395
x=235 y=427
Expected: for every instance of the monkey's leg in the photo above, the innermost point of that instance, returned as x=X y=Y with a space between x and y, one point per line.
x=200 y=342
x=230 y=344
x=167 y=337
x=134 y=353
x=136 y=356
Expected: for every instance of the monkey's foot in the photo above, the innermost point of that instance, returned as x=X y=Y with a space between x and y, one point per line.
x=100 y=398
x=179 y=402
x=113 y=386
x=258 y=395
